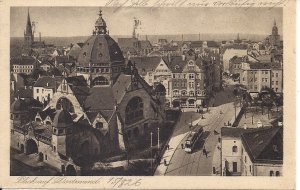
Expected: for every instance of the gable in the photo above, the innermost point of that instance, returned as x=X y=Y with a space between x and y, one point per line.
x=162 y=67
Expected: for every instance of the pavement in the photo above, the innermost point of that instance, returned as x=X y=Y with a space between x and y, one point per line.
x=180 y=163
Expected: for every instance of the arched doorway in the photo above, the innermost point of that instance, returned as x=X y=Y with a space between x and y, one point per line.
x=31 y=147
x=70 y=171
x=41 y=157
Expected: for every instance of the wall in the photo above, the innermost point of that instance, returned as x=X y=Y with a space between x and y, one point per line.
x=228 y=155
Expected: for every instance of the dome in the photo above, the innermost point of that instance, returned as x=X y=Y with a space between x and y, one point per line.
x=62 y=119
x=100 y=50
x=18 y=106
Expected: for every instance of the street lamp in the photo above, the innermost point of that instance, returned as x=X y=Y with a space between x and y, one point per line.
x=158 y=138
x=151 y=151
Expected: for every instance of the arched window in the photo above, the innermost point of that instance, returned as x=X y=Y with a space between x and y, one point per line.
x=134 y=110
x=271 y=173
x=99 y=125
x=100 y=81
x=277 y=173
x=234 y=148
x=192 y=93
x=183 y=93
x=65 y=104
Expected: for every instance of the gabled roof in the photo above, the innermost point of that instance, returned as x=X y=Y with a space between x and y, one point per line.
x=48 y=82
x=176 y=64
x=260 y=145
x=145 y=64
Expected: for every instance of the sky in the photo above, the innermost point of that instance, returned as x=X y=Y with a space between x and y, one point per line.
x=79 y=21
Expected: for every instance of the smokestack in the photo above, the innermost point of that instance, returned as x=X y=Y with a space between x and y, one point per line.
x=40 y=36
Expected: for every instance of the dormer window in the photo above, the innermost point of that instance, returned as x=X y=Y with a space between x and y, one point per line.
x=84 y=53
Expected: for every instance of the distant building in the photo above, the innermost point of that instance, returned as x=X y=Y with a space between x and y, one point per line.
x=255 y=76
x=193 y=80
x=230 y=53
x=274 y=39
x=29 y=42
x=252 y=152
x=23 y=64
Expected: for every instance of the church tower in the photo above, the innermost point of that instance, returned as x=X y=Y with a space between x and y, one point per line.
x=28 y=33
x=274 y=29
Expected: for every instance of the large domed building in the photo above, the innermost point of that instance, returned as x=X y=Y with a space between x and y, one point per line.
x=100 y=60
x=102 y=112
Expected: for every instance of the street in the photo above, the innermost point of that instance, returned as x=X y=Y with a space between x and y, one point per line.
x=180 y=163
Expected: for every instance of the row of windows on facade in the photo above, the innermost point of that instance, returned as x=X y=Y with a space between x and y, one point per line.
x=191 y=76
x=22 y=71
x=191 y=93
x=183 y=84
x=99 y=70
x=23 y=66
x=263 y=80
x=38 y=91
x=266 y=72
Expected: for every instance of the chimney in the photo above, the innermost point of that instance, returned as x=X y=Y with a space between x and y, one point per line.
x=25 y=87
x=245 y=126
x=40 y=36
x=47 y=84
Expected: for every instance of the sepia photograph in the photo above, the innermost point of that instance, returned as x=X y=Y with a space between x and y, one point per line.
x=104 y=91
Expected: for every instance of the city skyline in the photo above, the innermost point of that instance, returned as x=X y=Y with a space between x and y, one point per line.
x=52 y=21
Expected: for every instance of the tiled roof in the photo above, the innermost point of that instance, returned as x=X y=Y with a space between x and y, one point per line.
x=122 y=83
x=52 y=82
x=145 y=44
x=145 y=64
x=24 y=92
x=100 y=49
x=176 y=64
x=212 y=44
x=100 y=98
x=127 y=42
x=24 y=60
x=196 y=44
x=232 y=132
x=260 y=144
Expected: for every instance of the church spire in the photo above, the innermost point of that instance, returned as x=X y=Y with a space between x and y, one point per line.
x=28 y=24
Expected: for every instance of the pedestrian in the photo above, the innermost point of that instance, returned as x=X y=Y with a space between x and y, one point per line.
x=204 y=150
x=168 y=146
x=165 y=162
x=182 y=147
